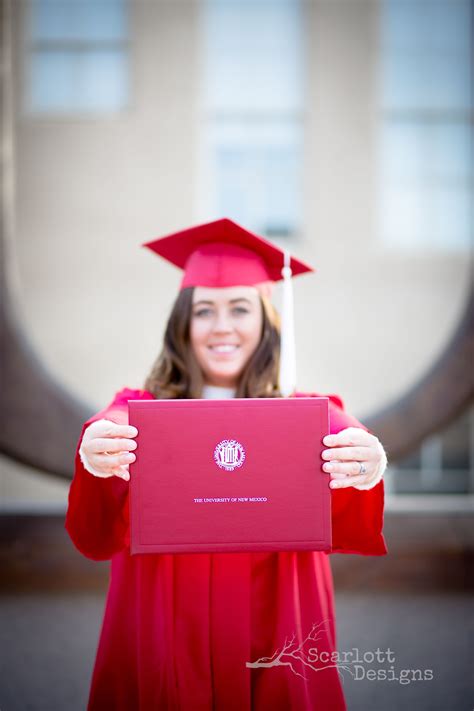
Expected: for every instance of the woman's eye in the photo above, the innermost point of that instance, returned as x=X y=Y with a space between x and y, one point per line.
x=207 y=312
x=202 y=313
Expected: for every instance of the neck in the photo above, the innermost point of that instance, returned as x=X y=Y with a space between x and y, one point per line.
x=217 y=392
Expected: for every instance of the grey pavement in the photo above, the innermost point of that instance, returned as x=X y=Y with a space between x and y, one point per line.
x=48 y=643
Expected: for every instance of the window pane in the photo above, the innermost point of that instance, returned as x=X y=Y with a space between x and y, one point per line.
x=78 y=61
x=78 y=20
x=456 y=443
x=252 y=55
x=427 y=61
x=447 y=469
x=426 y=184
x=426 y=172
x=253 y=97
x=257 y=174
x=78 y=81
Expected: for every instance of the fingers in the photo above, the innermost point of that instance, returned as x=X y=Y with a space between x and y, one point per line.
x=105 y=428
x=116 y=469
x=348 y=481
x=110 y=463
x=342 y=469
x=123 y=458
x=99 y=444
x=123 y=473
x=109 y=447
x=358 y=454
x=350 y=437
x=344 y=474
x=350 y=448
x=106 y=448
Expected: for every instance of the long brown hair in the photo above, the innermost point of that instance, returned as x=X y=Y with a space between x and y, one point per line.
x=176 y=373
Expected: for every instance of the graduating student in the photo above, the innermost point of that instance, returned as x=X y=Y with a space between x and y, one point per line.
x=224 y=631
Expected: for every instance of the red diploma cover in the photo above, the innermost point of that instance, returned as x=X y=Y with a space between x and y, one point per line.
x=229 y=476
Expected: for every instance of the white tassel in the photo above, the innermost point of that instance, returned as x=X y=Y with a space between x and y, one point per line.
x=287 y=375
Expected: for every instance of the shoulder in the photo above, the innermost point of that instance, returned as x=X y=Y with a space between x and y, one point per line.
x=122 y=396
x=334 y=400
x=339 y=419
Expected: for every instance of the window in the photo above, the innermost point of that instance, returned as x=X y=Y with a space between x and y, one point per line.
x=252 y=112
x=444 y=464
x=427 y=124
x=77 y=56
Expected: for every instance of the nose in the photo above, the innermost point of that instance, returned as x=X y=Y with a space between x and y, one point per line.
x=222 y=323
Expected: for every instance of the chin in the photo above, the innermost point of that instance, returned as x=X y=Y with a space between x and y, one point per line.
x=223 y=378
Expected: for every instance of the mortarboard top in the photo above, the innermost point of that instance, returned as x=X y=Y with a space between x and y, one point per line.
x=222 y=253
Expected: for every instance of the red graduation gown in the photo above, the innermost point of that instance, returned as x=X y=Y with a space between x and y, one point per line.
x=180 y=630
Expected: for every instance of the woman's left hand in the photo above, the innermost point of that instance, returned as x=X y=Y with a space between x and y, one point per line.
x=355 y=457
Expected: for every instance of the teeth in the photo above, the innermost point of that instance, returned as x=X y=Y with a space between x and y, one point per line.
x=224 y=349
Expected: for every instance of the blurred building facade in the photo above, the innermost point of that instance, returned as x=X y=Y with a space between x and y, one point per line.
x=340 y=129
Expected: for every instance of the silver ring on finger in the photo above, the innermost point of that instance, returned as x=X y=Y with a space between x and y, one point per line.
x=362 y=469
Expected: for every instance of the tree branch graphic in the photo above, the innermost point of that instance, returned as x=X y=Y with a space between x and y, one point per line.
x=291 y=653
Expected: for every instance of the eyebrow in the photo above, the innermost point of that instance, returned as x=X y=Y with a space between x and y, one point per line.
x=232 y=301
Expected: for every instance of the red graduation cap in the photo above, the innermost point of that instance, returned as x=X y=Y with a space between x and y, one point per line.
x=222 y=254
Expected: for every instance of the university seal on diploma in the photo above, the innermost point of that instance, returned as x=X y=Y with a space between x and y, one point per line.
x=229 y=454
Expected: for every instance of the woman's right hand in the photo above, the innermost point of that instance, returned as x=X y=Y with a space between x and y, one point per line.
x=106 y=449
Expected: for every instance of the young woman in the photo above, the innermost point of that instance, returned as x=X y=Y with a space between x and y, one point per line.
x=243 y=631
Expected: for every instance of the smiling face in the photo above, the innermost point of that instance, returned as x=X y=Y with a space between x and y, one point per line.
x=225 y=330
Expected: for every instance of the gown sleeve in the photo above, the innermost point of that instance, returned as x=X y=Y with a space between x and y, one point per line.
x=97 y=518
x=357 y=515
